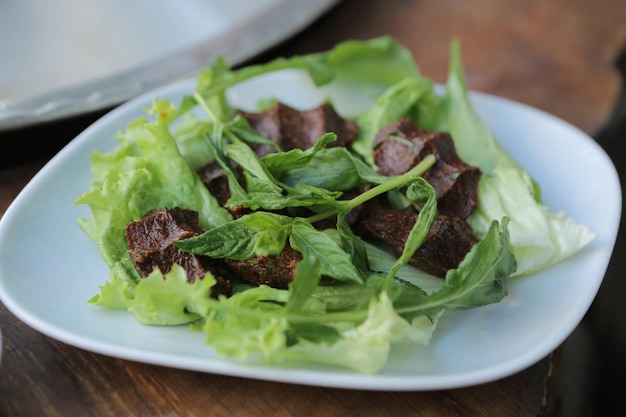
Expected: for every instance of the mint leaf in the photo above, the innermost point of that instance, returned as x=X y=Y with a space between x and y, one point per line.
x=255 y=234
x=480 y=279
x=280 y=162
x=313 y=243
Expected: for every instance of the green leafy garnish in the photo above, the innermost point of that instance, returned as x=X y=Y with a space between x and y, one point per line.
x=349 y=300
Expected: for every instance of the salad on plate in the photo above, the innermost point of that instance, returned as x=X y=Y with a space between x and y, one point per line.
x=298 y=232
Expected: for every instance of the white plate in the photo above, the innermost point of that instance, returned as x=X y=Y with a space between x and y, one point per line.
x=49 y=268
x=62 y=58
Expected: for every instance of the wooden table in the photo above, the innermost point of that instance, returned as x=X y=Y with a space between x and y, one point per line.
x=557 y=56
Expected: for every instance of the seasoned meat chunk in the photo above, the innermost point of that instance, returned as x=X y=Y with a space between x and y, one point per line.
x=402 y=145
x=294 y=129
x=214 y=178
x=274 y=270
x=444 y=247
x=151 y=245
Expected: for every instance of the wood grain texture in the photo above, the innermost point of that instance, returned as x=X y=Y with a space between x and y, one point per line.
x=557 y=56
x=40 y=376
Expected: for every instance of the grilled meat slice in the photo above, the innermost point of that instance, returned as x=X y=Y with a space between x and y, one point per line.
x=401 y=145
x=274 y=270
x=445 y=245
x=214 y=178
x=290 y=129
x=151 y=244
x=294 y=129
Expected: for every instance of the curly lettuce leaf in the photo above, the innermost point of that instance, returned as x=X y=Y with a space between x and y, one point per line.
x=378 y=61
x=157 y=299
x=365 y=347
x=144 y=172
x=540 y=238
x=350 y=324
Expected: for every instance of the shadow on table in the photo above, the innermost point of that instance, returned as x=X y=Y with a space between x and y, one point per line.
x=596 y=352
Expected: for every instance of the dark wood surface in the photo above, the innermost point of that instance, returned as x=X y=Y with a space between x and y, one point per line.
x=558 y=56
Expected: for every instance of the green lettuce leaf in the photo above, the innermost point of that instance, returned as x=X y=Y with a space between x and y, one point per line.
x=144 y=172
x=539 y=238
x=365 y=347
x=375 y=299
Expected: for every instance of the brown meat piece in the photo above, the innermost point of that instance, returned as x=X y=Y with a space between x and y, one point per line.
x=151 y=244
x=274 y=270
x=444 y=247
x=402 y=145
x=215 y=179
x=294 y=129
x=290 y=129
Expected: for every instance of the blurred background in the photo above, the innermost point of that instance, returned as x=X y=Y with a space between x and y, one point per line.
x=64 y=64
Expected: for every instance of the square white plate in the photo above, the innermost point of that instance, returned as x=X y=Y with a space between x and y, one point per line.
x=49 y=268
